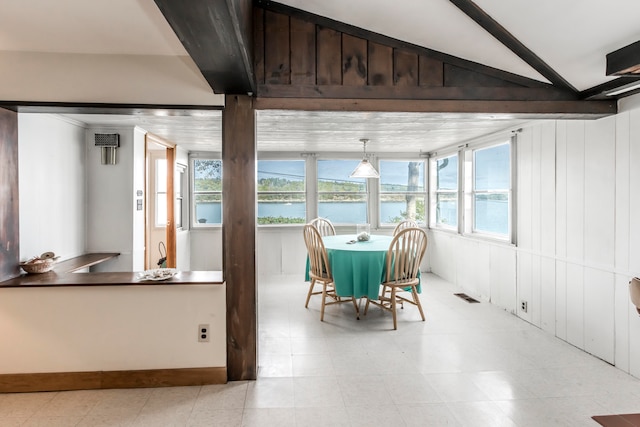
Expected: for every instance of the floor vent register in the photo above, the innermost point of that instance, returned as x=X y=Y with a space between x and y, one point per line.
x=466 y=297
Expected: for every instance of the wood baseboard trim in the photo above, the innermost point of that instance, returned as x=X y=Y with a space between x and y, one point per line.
x=59 y=381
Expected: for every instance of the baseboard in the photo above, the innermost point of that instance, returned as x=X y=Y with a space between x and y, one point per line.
x=58 y=381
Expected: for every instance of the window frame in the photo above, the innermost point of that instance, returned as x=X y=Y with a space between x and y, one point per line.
x=304 y=191
x=434 y=192
x=155 y=157
x=424 y=193
x=372 y=188
x=471 y=191
x=179 y=196
x=193 y=193
x=367 y=187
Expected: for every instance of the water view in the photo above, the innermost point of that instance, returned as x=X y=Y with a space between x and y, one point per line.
x=491 y=215
x=339 y=212
x=281 y=189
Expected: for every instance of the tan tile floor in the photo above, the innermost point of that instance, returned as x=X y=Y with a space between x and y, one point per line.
x=467 y=365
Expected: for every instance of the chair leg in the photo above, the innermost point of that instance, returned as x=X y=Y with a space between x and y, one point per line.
x=313 y=283
x=416 y=299
x=366 y=306
x=324 y=300
x=355 y=305
x=393 y=308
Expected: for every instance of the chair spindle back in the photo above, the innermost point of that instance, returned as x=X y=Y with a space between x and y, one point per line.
x=405 y=254
x=324 y=226
x=318 y=259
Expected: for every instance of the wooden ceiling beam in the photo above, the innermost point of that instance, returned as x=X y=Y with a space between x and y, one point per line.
x=529 y=110
x=414 y=92
x=600 y=91
x=217 y=36
x=120 y=109
x=510 y=41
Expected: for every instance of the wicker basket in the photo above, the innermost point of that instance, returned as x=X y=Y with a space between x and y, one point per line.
x=38 y=266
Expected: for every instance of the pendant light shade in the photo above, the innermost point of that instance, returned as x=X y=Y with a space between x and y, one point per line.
x=364 y=169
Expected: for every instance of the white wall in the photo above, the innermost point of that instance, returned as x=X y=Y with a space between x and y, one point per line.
x=71 y=204
x=486 y=270
x=113 y=223
x=138 y=182
x=119 y=79
x=108 y=328
x=206 y=249
x=578 y=237
x=281 y=250
x=52 y=186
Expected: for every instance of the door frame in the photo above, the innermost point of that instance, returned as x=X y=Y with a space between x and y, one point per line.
x=170 y=230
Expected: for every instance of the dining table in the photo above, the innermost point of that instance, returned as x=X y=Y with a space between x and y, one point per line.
x=358 y=267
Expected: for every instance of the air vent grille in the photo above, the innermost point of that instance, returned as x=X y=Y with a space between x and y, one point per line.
x=107 y=140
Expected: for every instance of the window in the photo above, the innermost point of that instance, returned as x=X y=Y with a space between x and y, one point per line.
x=207 y=192
x=491 y=189
x=161 y=193
x=446 y=191
x=341 y=199
x=402 y=191
x=281 y=192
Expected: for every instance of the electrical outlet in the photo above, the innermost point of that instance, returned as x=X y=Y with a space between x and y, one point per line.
x=523 y=306
x=203 y=333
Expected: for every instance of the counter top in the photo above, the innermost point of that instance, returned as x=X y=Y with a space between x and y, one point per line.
x=53 y=279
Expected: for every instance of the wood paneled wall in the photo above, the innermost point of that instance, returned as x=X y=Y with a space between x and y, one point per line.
x=298 y=58
x=9 y=213
x=578 y=233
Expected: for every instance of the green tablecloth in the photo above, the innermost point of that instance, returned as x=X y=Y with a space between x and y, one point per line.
x=358 y=269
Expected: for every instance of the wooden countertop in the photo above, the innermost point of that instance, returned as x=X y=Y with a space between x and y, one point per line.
x=53 y=279
x=63 y=274
x=83 y=261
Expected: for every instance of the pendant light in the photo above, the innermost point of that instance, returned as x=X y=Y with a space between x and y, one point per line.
x=364 y=169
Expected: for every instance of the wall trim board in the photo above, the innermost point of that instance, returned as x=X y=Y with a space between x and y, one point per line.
x=59 y=381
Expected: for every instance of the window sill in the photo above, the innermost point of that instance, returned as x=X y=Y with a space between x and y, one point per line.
x=475 y=236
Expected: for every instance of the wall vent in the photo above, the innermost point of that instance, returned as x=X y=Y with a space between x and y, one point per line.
x=108 y=143
x=107 y=140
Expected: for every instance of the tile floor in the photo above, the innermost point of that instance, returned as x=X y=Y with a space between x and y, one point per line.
x=467 y=365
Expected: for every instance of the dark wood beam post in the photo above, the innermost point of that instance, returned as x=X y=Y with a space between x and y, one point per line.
x=217 y=36
x=239 y=235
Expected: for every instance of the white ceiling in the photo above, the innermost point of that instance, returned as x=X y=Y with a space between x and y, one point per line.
x=300 y=131
x=108 y=27
x=572 y=37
